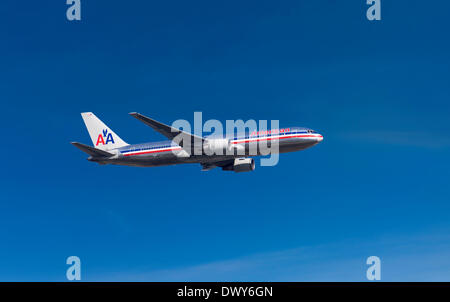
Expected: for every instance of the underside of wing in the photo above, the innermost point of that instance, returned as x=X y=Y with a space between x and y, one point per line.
x=241 y=164
x=224 y=164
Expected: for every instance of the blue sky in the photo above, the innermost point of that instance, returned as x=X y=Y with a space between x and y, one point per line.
x=377 y=185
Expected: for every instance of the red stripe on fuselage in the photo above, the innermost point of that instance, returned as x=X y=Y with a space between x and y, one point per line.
x=271 y=138
x=245 y=141
x=153 y=151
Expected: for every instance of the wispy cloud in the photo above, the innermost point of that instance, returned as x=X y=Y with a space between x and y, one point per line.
x=400 y=138
x=413 y=258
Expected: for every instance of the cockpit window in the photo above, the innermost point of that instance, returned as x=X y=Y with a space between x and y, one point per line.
x=311 y=131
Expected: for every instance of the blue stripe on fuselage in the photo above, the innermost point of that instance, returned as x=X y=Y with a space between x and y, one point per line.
x=169 y=144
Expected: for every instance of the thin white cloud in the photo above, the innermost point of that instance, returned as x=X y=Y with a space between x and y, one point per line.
x=400 y=138
x=412 y=258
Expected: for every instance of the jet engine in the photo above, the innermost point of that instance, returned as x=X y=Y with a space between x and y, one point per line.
x=241 y=165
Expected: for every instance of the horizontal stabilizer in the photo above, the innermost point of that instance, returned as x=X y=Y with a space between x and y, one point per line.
x=91 y=150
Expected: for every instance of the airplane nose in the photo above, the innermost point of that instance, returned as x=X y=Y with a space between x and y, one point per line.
x=320 y=138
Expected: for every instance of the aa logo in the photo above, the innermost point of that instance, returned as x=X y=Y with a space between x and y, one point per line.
x=105 y=138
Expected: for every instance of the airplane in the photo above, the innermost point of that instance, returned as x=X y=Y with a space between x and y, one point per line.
x=183 y=147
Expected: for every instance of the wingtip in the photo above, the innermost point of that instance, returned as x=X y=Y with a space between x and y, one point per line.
x=133 y=113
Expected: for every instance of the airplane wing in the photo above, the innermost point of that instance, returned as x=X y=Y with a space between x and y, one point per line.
x=178 y=136
x=91 y=150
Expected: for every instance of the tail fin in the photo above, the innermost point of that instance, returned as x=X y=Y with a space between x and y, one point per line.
x=102 y=137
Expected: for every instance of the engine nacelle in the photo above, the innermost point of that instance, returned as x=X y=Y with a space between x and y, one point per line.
x=242 y=165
